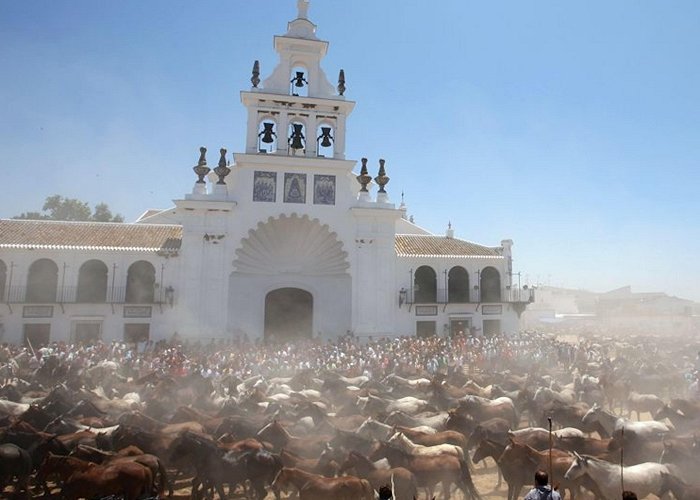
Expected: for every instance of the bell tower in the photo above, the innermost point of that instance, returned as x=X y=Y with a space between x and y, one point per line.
x=296 y=111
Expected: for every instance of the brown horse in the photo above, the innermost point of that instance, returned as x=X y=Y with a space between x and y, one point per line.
x=403 y=481
x=130 y=479
x=126 y=478
x=138 y=419
x=186 y=414
x=129 y=454
x=443 y=437
x=430 y=471
x=279 y=437
x=327 y=468
x=560 y=462
x=484 y=409
x=488 y=448
x=583 y=445
x=313 y=487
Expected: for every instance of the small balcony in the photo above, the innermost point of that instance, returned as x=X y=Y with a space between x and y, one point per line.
x=441 y=296
x=72 y=295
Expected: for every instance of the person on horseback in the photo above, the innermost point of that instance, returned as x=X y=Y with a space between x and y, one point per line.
x=542 y=490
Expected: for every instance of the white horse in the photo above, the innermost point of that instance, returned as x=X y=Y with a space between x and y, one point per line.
x=545 y=395
x=409 y=405
x=373 y=429
x=10 y=408
x=419 y=383
x=544 y=433
x=433 y=420
x=643 y=403
x=613 y=424
x=406 y=445
x=644 y=479
x=484 y=392
x=357 y=381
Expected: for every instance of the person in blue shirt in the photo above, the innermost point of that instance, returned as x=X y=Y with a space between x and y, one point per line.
x=542 y=491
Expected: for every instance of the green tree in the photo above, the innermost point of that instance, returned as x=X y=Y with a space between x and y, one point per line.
x=57 y=207
x=102 y=213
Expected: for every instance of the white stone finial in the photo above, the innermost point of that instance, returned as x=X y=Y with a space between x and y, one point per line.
x=303 y=6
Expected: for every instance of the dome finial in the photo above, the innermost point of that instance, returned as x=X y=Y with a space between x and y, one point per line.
x=303 y=7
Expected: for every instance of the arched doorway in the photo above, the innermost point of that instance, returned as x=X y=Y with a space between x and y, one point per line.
x=92 y=282
x=490 y=285
x=425 y=285
x=140 y=283
x=288 y=314
x=458 y=285
x=42 y=282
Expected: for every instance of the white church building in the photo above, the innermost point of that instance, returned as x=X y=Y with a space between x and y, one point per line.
x=288 y=240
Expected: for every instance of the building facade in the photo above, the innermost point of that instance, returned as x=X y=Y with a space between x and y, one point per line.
x=286 y=241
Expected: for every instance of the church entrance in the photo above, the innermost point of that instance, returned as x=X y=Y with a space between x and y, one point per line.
x=288 y=314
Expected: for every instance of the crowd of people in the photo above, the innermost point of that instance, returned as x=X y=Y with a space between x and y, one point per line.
x=370 y=357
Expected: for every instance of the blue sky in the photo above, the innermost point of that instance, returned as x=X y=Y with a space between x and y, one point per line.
x=573 y=129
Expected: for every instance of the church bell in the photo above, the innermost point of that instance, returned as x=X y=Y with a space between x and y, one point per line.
x=326 y=137
x=297 y=137
x=299 y=79
x=267 y=133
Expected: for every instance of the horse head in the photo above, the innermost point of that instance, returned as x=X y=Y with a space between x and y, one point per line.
x=577 y=468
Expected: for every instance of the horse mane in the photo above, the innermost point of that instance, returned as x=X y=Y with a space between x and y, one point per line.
x=359 y=456
x=278 y=425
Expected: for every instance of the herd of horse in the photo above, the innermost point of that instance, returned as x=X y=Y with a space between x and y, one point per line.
x=322 y=434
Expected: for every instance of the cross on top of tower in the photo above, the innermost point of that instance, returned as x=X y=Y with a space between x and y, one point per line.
x=303 y=6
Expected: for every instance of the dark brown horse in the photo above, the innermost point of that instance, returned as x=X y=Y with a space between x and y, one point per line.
x=15 y=462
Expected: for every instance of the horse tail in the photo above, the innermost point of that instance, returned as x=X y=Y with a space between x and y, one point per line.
x=467 y=481
x=467 y=457
x=163 y=482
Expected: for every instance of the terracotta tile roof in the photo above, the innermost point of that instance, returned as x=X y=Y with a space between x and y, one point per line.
x=89 y=235
x=421 y=245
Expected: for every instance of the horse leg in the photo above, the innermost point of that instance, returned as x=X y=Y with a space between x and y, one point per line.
x=500 y=477
x=259 y=488
x=22 y=485
x=195 y=488
x=221 y=492
x=446 y=490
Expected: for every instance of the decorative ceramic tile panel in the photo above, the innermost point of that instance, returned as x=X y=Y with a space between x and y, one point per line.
x=324 y=189
x=265 y=186
x=294 y=188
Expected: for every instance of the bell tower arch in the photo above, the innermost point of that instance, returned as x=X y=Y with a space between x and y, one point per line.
x=308 y=112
